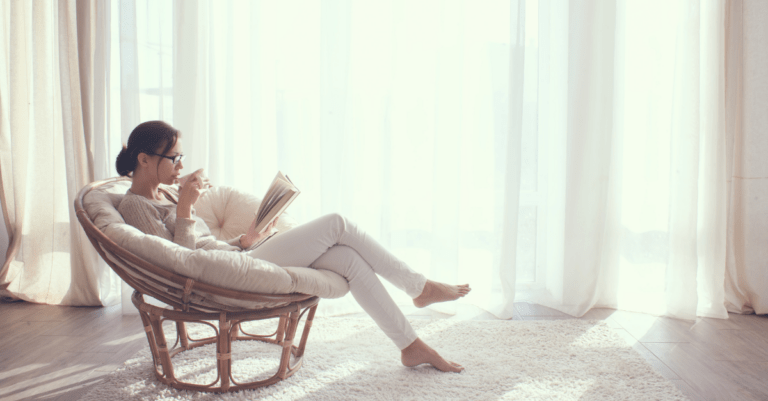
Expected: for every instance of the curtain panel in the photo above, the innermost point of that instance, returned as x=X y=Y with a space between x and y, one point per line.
x=747 y=170
x=392 y=113
x=633 y=129
x=50 y=106
x=545 y=151
x=557 y=152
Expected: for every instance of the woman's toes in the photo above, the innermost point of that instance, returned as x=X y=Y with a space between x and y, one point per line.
x=456 y=367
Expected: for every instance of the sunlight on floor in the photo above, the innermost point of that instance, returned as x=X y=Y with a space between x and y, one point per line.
x=590 y=339
x=20 y=370
x=546 y=388
x=436 y=328
x=260 y=366
x=55 y=381
x=126 y=339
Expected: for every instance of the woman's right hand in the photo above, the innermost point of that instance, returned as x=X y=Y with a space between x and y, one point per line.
x=189 y=194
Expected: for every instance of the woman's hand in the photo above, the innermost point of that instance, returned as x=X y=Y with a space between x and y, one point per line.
x=202 y=178
x=189 y=193
x=252 y=237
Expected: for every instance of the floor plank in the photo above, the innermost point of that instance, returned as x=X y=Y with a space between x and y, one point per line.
x=47 y=350
x=734 y=345
x=652 y=359
x=750 y=377
x=686 y=389
x=60 y=353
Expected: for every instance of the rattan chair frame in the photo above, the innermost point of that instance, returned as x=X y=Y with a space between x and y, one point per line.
x=145 y=278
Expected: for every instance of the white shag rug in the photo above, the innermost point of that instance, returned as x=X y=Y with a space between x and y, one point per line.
x=351 y=359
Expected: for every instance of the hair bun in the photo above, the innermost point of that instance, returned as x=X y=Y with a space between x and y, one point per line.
x=125 y=164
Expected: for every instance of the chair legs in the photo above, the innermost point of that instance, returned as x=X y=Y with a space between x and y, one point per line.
x=181 y=328
x=307 y=325
x=228 y=330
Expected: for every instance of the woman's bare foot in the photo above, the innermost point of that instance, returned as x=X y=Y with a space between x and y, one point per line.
x=419 y=352
x=439 y=292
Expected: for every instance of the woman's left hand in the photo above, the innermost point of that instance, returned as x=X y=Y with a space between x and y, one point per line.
x=252 y=237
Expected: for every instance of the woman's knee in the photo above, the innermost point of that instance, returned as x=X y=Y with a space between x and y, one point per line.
x=344 y=261
x=335 y=222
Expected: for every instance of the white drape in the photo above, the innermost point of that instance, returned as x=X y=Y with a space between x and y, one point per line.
x=392 y=113
x=49 y=109
x=747 y=102
x=556 y=152
x=560 y=153
x=635 y=163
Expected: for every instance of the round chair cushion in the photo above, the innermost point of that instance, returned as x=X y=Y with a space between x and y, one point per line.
x=227 y=212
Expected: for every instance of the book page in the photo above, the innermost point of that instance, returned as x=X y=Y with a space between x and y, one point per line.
x=277 y=209
x=277 y=182
x=279 y=190
x=280 y=194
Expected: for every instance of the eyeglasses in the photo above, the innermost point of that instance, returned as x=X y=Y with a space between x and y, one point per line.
x=175 y=159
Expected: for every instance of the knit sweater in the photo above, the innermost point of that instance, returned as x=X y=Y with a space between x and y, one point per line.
x=155 y=218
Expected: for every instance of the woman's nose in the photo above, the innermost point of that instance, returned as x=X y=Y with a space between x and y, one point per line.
x=179 y=165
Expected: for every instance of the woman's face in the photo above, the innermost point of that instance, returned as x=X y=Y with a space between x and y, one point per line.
x=167 y=172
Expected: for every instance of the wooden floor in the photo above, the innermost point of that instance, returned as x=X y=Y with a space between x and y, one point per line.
x=59 y=353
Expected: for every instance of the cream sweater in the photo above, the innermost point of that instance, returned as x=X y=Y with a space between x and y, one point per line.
x=155 y=218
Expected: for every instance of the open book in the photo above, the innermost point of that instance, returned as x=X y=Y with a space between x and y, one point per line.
x=279 y=195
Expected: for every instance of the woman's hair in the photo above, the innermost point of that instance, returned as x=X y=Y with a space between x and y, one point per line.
x=148 y=137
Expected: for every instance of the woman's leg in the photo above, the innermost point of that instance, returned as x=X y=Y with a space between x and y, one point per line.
x=302 y=245
x=333 y=243
x=373 y=297
x=368 y=292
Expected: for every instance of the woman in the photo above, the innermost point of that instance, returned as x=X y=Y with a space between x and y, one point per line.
x=153 y=156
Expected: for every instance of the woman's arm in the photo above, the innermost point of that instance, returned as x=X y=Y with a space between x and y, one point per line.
x=144 y=216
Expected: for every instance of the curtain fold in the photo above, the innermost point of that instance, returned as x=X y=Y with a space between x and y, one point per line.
x=512 y=181
x=6 y=202
x=50 y=154
x=590 y=166
x=636 y=203
x=746 y=281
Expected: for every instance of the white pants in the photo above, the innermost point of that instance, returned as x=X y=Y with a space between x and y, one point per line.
x=334 y=243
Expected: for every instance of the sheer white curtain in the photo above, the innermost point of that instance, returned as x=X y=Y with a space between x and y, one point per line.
x=564 y=153
x=632 y=121
x=51 y=126
x=392 y=113
x=560 y=153
x=747 y=89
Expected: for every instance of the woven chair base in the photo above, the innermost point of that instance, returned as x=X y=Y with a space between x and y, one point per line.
x=228 y=330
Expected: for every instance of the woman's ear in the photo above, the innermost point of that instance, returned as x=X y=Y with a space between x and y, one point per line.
x=143 y=159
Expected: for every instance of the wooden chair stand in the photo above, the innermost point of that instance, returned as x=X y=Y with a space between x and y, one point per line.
x=228 y=330
x=192 y=301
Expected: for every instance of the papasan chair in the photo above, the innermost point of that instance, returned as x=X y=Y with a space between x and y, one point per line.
x=217 y=288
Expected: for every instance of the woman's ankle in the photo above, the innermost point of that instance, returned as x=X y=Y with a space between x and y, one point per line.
x=419 y=352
